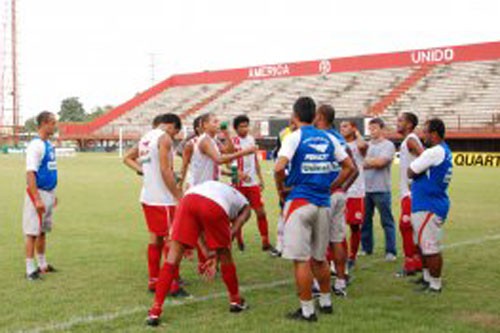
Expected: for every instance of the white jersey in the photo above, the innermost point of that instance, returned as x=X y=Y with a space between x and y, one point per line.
x=405 y=159
x=202 y=167
x=226 y=196
x=357 y=189
x=189 y=175
x=154 y=191
x=246 y=164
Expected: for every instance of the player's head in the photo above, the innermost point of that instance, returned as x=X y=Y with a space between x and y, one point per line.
x=170 y=123
x=241 y=125
x=376 y=126
x=304 y=111
x=434 y=131
x=407 y=122
x=325 y=117
x=156 y=121
x=348 y=129
x=210 y=124
x=46 y=122
x=198 y=130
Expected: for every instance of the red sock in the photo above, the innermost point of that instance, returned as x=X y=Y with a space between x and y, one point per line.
x=167 y=276
x=354 y=242
x=154 y=258
x=329 y=254
x=263 y=230
x=344 y=245
x=231 y=281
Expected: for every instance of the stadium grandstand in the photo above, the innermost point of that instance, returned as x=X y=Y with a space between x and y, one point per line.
x=460 y=84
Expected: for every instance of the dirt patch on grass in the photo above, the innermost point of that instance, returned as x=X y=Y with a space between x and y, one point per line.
x=484 y=320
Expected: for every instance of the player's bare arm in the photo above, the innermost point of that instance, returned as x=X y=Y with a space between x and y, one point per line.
x=279 y=177
x=166 y=167
x=348 y=168
x=187 y=153
x=207 y=149
x=353 y=176
x=228 y=147
x=33 y=189
x=240 y=220
x=131 y=160
x=259 y=173
x=414 y=147
x=376 y=162
x=361 y=143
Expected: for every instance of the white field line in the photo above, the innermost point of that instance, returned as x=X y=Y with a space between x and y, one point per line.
x=170 y=302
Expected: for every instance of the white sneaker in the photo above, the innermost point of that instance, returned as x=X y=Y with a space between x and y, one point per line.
x=389 y=257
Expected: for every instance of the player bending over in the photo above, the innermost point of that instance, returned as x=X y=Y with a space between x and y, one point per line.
x=217 y=211
x=431 y=173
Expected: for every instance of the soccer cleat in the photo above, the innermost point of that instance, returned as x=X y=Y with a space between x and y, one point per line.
x=315 y=292
x=433 y=291
x=180 y=293
x=297 y=315
x=351 y=263
x=268 y=247
x=236 y=307
x=420 y=281
x=340 y=292
x=274 y=253
x=241 y=247
x=153 y=320
x=48 y=269
x=326 y=309
x=33 y=276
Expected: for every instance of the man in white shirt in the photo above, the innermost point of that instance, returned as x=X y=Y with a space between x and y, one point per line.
x=40 y=199
x=217 y=211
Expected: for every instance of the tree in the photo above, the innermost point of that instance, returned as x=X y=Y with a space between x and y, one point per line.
x=98 y=111
x=30 y=125
x=72 y=110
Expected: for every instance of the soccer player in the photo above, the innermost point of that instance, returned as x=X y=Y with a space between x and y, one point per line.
x=377 y=169
x=431 y=173
x=410 y=149
x=324 y=120
x=253 y=184
x=40 y=199
x=159 y=195
x=187 y=153
x=355 y=204
x=311 y=153
x=217 y=210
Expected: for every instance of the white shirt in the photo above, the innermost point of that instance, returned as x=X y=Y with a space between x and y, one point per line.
x=35 y=153
x=429 y=158
x=405 y=159
x=247 y=164
x=202 y=166
x=154 y=191
x=357 y=189
x=226 y=196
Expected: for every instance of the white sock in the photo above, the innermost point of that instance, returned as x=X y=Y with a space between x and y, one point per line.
x=325 y=299
x=30 y=266
x=307 y=308
x=340 y=283
x=315 y=284
x=435 y=283
x=426 y=275
x=332 y=268
x=42 y=261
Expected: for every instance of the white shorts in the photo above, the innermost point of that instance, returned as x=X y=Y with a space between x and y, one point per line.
x=337 y=217
x=427 y=232
x=306 y=231
x=33 y=223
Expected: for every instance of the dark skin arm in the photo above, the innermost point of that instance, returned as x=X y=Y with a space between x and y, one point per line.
x=187 y=153
x=207 y=149
x=353 y=176
x=279 y=177
x=240 y=220
x=33 y=189
x=348 y=169
x=166 y=167
x=131 y=160
x=414 y=147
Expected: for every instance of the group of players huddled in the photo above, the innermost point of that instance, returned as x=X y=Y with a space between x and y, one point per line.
x=325 y=180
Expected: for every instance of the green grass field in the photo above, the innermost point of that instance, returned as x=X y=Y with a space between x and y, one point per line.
x=99 y=244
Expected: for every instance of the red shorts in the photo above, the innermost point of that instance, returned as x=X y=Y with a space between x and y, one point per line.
x=253 y=195
x=355 y=210
x=405 y=216
x=196 y=215
x=159 y=218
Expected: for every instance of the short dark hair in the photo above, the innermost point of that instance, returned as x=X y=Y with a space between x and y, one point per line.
x=204 y=118
x=43 y=117
x=412 y=118
x=170 y=118
x=377 y=121
x=196 y=124
x=241 y=119
x=328 y=112
x=305 y=109
x=157 y=120
x=436 y=125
